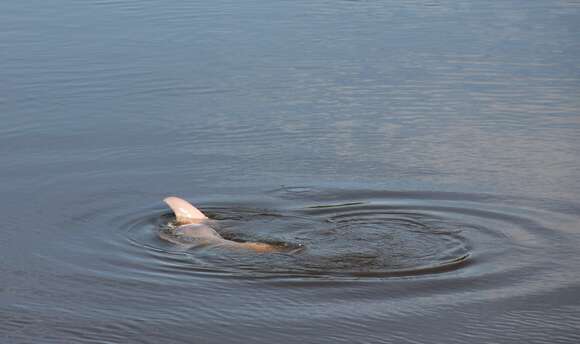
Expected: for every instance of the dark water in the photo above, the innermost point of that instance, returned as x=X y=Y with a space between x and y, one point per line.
x=420 y=160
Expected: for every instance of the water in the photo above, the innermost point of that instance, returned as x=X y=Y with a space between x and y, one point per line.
x=420 y=160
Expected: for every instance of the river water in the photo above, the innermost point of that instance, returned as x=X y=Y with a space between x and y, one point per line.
x=419 y=159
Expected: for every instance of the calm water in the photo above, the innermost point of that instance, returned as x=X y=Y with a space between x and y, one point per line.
x=422 y=159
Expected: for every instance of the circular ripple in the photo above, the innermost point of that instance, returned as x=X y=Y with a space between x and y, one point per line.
x=382 y=242
x=346 y=240
x=355 y=233
x=365 y=234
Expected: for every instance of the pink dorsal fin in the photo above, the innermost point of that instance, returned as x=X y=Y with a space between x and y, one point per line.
x=184 y=211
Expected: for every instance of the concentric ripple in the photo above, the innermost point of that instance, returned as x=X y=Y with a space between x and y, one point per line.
x=338 y=235
x=357 y=234
x=375 y=240
x=352 y=241
x=354 y=234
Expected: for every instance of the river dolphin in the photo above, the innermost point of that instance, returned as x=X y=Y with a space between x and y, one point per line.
x=193 y=224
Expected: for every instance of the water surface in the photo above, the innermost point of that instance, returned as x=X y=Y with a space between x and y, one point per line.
x=419 y=159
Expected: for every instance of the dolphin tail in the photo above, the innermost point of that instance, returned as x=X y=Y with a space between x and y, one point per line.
x=184 y=212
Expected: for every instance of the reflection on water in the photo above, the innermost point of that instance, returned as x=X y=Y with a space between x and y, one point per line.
x=420 y=160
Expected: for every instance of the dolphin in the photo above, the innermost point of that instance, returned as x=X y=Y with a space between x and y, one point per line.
x=193 y=225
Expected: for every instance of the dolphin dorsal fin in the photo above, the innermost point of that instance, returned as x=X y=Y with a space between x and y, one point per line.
x=184 y=212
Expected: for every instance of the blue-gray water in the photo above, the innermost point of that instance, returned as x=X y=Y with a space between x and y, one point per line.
x=424 y=156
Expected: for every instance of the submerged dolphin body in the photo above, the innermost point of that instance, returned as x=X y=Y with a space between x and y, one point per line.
x=192 y=225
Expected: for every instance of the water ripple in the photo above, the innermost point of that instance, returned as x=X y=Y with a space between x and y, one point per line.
x=359 y=234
